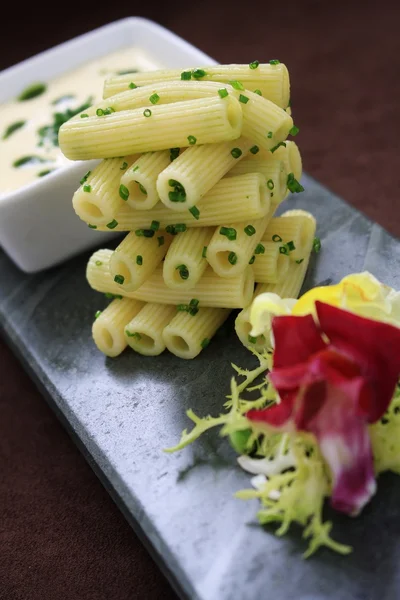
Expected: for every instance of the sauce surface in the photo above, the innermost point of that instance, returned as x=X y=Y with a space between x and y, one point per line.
x=29 y=127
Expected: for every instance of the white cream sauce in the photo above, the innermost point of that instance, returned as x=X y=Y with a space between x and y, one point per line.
x=84 y=84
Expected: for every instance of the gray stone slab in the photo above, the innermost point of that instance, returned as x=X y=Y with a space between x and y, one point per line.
x=123 y=411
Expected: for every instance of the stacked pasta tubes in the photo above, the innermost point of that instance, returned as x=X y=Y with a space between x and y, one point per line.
x=194 y=165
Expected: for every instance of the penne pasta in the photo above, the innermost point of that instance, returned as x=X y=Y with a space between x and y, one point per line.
x=108 y=328
x=98 y=200
x=273 y=171
x=141 y=178
x=272 y=266
x=187 y=335
x=232 y=246
x=185 y=181
x=209 y=120
x=271 y=80
x=185 y=261
x=144 y=333
x=137 y=257
x=231 y=200
x=211 y=290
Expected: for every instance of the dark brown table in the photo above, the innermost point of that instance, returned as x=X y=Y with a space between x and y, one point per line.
x=61 y=537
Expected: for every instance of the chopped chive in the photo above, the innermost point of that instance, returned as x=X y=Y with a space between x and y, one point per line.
x=124 y=166
x=193 y=310
x=254 y=149
x=258 y=92
x=186 y=75
x=87 y=188
x=195 y=212
x=229 y=232
x=135 y=169
x=177 y=197
x=28 y=160
x=294 y=131
x=119 y=279
x=139 y=260
x=283 y=249
x=108 y=110
x=204 y=253
x=45 y=172
x=194 y=302
x=92 y=226
x=147 y=112
x=236 y=152
x=32 y=91
x=183 y=307
x=97 y=314
x=243 y=99
x=154 y=98
x=274 y=61
x=199 y=73
x=160 y=240
x=192 y=140
x=183 y=271
x=251 y=339
x=173 y=153
x=259 y=249
x=277 y=146
x=237 y=85
x=180 y=227
x=13 y=128
x=149 y=233
x=123 y=192
x=113 y=296
x=291 y=246
x=232 y=258
x=133 y=335
x=276 y=238
x=84 y=116
x=132 y=85
x=293 y=185
x=141 y=188
x=100 y=112
x=298 y=262
x=254 y=64
x=112 y=224
x=171 y=229
x=155 y=225
x=270 y=184
x=249 y=230
x=223 y=92
x=316 y=245
x=98 y=263
x=204 y=343
x=269 y=134
x=251 y=261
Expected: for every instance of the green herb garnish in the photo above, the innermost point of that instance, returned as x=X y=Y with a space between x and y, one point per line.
x=183 y=271
x=139 y=260
x=92 y=226
x=123 y=192
x=228 y=232
x=124 y=166
x=236 y=152
x=112 y=224
x=132 y=86
x=270 y=184
x=161 y=240
x=28 y=160
x=249 y=230
x=179 y=193
x=298 y=262
x=32 y=91
x=97 y=314
x=260 y=249
x=98 y=263
x=274 y=61
x=198 y=73
x=133 y=335
x=254 y=149
x=204 y=343
x=13 y=128
x=237 y=85
x=119 y=279
x=85 y=177
x=204 y=253
x=316 y=245
x=232 y=258
x=147 y=112
x=294 y=131
x=223 y=92
x=254 y=64
x=173 y=153
x=195 y=212
x=155 y=225
x=45 y=172
x=148 y=233
x=49 y=133
x=252 y=339
x=276 y=238
x=87 y=188
x=293 y=185
x=154 y=98
x=192 y=140
x=243 y=99
x=258 y=92
x=277 y=146
x=251 y=261
x=186 y=75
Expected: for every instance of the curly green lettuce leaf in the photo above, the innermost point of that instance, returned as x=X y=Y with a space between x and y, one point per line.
x=385 y=438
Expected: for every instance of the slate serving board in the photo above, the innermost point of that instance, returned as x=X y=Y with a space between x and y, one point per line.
x=123 y=411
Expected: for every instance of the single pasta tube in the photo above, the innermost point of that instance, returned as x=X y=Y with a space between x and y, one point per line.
x=274 y=172
x=272 y=266
x=232 y=199
x=209 y=120
x=291 y=157
x=137 y=257
x=185 y=181
x=185 y=261
x=211 y=290
x=98 y=200
x=263 y=160
x=271 y=80
x=232 y=246
x=288 y=287
x=187 y=335
x=144 y=332
x=292 y=226
x=141 y=178
x=108 y=328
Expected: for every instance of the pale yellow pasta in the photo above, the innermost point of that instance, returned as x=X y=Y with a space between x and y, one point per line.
x=230 y=257
x=211 y=290
x=185 y=261
x=288 y=287
x=108 y=328
x=197 y=170
x=97 y=200
x=290 y=155
x=144 y=332
x=210 y=120
x=263 y=160
x=187 y=335
x=271 y=80
x=137 y=257
x=272 y=266
x=291 y=226
x=141 y=179
x=232 y=199
x=274 y=172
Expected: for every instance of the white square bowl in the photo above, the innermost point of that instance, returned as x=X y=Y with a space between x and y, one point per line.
x=38 y=226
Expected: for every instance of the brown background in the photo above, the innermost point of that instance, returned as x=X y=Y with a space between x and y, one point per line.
x=61 y=537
